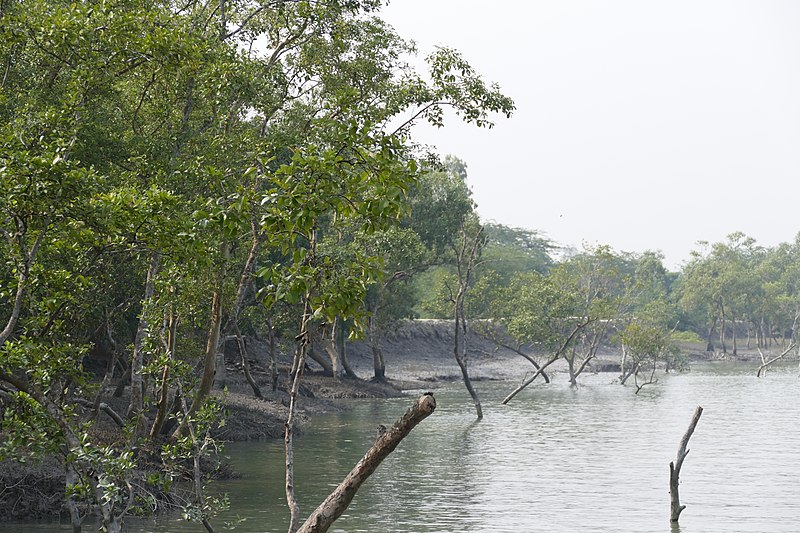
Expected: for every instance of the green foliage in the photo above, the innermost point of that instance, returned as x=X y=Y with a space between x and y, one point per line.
x=686 y=336
x=456 y=82
x=536 y=310
x=725 y=282
x=28 y=431
x=439 y=202
x=181 y=460
x=113 y=467
x=51 y=365
x=144 y=144
x=435 y=292
x=511 y=250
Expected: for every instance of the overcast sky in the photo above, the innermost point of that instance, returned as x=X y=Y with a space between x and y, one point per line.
x=646 y=125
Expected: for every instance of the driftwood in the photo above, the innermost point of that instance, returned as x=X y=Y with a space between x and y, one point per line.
x=762 y=370
x=675 y=506
x=338 y=500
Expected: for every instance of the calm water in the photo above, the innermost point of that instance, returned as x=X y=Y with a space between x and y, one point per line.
x=555 y=459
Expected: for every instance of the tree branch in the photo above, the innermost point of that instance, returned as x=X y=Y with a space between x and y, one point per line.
x=336 y=503
x=762 y=370
x=22 y=285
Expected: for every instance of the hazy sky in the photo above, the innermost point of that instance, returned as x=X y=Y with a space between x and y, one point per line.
x=640 y=124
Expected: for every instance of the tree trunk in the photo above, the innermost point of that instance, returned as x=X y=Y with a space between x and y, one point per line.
x=72 y=479
x=749 y=334
x=378 y=364
x=342 y=344
x=762 y=370
x=634 y=369
x=573 y=379
x=212 y=349
x=460 y=352
x=220 y=369
x=710 y=336
x=528 y=381
x=163 y=393
x=122 y=383
x=650 y=380
x=329 y=336
x=304 y=340
x=273 y=356
x=675 y=506
x=623 y=362
x=555 y=357
x=327 y=367
x=23 y=274
x=245 y=282
x=136 y=405
x=517 y=350
x=245 y=362
x=733 y=334
x=336 y=503
x=583 y=366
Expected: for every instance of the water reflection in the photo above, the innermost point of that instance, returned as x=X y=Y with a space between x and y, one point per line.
x=554 y=459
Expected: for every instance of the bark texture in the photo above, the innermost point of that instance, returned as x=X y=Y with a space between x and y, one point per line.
x=336 y=503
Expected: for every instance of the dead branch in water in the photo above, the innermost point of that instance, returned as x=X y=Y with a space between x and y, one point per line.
x=762 y=370
x=675 y=468
x=338 y=500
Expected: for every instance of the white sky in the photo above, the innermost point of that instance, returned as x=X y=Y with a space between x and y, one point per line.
x=640 y=124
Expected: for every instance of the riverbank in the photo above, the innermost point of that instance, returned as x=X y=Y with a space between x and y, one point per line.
x=418 y=356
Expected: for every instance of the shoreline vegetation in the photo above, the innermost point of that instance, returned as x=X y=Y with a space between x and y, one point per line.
x=418 y=356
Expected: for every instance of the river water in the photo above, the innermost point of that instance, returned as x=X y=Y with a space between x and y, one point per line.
x=591 y=459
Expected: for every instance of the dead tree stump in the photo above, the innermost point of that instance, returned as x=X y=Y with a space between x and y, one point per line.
x=675 y=506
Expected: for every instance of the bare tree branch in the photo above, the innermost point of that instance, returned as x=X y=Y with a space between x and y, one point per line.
x=338 y=500
x=762 y=370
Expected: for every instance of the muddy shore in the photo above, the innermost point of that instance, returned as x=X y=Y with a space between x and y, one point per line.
x=418 y=355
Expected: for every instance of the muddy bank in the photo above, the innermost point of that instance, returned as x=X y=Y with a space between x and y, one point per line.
x=418 y=355
x=250 y=418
